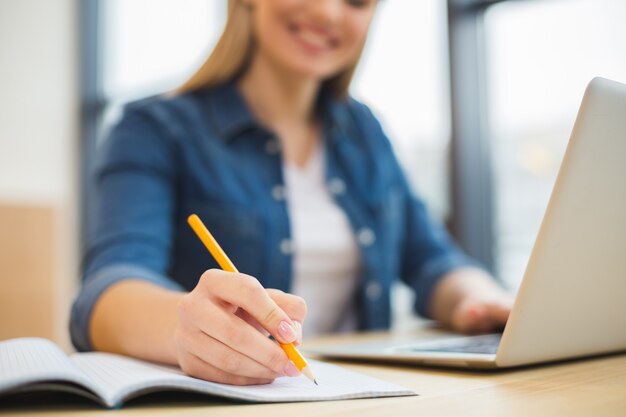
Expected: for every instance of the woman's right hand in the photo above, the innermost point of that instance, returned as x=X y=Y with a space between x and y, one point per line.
x=223 y=327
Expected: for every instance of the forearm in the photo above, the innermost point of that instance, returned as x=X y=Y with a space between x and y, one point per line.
x=458 y=285
x=136 y=318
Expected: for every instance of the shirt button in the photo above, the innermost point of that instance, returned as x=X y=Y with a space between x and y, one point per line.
x=366 y=236
x=272 y=146
x=278 y=192
x=336 y=186
x=373 y=290
x=286 y=247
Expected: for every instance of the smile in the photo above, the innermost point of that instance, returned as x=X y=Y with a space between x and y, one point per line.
x=313 y=39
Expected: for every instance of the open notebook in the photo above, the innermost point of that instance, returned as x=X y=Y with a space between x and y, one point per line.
x=30 y=364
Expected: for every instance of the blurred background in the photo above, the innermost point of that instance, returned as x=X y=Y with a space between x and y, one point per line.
x=477 y=96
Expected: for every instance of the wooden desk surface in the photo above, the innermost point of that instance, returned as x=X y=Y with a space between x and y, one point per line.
x=591 y=387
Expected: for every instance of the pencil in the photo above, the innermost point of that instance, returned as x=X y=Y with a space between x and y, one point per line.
x=227 y=265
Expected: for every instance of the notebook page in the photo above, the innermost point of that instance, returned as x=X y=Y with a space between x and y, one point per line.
x=122 y=378
x=32 y=360
x=335 y=383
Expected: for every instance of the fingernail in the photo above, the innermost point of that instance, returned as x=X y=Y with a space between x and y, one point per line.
x=287 y=332
x=291 y=370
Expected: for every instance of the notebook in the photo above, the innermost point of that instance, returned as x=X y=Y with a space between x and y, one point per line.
x=34 y=364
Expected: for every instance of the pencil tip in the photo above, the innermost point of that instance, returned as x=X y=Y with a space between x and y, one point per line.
x=307 y=372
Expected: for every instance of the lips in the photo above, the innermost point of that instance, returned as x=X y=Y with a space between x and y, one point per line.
x=312 y=38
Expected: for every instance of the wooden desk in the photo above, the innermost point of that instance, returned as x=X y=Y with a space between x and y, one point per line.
x=592 y=387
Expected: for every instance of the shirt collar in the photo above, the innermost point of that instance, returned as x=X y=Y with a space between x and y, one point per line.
x=231 y=116
x=335 y=114
x=228 y=111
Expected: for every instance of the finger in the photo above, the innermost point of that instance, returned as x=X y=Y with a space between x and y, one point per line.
x=483 y=320
x=498 y=312
x=473 y=317
x=242 y=314
x=247 y=292
x=485 y=323
x=196 y=367
x=252 y=322
x=469 y=317
x=227 y=359
x=240 y=336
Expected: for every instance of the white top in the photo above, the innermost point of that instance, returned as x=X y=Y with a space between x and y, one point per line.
x=325 y=252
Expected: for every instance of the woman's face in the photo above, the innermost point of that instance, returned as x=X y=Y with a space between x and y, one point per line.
x=312 y=38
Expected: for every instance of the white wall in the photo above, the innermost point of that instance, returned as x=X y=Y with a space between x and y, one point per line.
x=39 y=124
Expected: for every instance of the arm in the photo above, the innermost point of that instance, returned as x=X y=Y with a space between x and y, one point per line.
x=130 y=229
x=450 y=286
x=136 y=318
x=129 y=305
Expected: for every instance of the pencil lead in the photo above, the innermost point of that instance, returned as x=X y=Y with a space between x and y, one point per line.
x=315 y=382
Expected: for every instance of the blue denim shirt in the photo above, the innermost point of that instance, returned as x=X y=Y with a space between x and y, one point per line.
x=205 y=153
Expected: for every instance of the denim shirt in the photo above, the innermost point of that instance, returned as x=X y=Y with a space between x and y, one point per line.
x=205 y=153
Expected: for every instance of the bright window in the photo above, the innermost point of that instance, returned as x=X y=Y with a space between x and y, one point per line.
x=541 y=55
x=403 y=77
x=151 y=46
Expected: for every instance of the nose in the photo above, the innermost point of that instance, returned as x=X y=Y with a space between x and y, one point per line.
x=326 y=11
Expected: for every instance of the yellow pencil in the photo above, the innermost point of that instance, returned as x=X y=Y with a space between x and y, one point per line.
x=226 y=264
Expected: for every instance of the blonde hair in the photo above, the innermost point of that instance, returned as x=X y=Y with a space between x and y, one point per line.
x=232 y=54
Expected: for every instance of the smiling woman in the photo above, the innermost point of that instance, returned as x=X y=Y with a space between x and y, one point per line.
x=298 y=45
x=297 y=38
x=297 y=179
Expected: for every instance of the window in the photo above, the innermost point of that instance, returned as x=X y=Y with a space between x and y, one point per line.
x=540 y=57
x=151 y=46
x=407 y=87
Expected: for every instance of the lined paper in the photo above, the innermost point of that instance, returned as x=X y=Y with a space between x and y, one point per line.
x=120 y=377
x=38 y=363
x=29 y=360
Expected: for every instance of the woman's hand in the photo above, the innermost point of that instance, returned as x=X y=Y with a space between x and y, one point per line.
x=223 y=329
x=470 y=301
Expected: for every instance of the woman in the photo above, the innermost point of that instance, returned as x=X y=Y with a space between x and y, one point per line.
x=298 y=183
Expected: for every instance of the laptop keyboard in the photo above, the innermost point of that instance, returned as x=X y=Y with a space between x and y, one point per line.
x=487 y=343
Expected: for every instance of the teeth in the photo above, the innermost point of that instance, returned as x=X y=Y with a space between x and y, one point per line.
x=313 y=38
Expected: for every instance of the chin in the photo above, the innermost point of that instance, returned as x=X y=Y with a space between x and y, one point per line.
x=312 y=68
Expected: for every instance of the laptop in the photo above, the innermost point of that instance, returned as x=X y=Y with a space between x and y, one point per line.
x=572 y=299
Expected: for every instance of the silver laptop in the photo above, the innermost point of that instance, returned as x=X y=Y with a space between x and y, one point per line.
x=572 y=300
